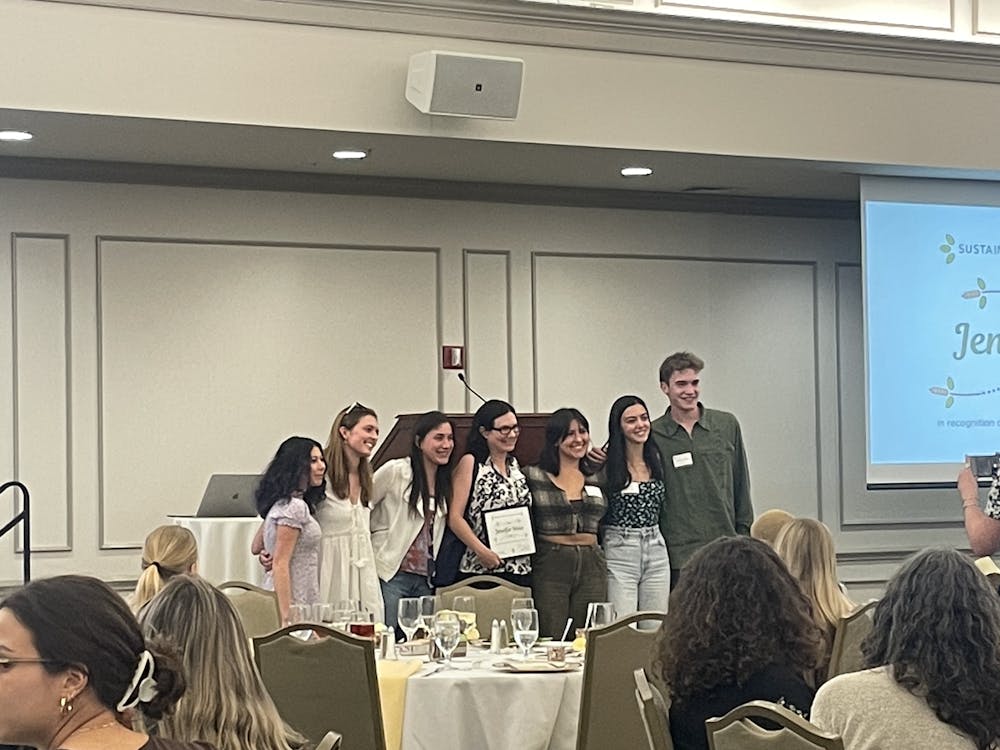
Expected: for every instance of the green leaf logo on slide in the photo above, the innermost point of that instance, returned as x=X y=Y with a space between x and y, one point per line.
x=979 y=293
x=948 y=249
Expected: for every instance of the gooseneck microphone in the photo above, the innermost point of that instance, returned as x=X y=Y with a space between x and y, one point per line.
x=469 y=388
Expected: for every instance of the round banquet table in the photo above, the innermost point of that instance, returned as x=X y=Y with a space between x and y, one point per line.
x=477 y=706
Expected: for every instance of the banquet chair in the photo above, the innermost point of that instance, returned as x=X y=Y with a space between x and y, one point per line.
x=653 y=710
x=845 y=654
x=607 y=705
x=257 y=608
x=493 y=598
x=737 y=730
x=324 y=682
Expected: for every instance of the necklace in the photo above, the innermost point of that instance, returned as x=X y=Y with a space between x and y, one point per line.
x=105 y=725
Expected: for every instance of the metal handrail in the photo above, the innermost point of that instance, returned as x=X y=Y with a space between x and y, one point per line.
x=23 y=517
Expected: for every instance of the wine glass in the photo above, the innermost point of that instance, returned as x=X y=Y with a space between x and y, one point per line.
x=465 y=606
x=600 y=614
x=428 y=605
x=408 y=616
x=524 y=623
x=525 y=602
x=447 y=629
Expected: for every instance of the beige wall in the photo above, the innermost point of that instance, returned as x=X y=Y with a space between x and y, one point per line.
x=163 y=334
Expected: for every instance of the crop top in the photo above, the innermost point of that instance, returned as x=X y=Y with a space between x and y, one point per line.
x=553 y=514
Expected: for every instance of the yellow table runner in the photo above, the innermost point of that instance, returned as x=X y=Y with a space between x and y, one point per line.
x=392 y=677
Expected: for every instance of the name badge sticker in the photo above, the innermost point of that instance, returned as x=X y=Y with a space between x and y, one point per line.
x=592 y=491
x=683 y=459
x=631 y=489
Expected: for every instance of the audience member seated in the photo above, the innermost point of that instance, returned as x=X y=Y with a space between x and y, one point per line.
x=806 y=547
x=769 y=524
x=168 y=551
x=738 y=629
x=73 y=662
x=933 y=657
x=226 y=702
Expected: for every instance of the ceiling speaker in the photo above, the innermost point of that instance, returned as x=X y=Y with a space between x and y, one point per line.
x=461 y=85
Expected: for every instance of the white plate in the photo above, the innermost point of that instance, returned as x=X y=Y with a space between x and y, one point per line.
x=535 y=666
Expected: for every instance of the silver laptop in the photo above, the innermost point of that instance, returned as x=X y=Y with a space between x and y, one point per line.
x=229 y=496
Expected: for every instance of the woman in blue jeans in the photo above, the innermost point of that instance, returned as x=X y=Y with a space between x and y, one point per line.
x=638 y=566
x=410 y=512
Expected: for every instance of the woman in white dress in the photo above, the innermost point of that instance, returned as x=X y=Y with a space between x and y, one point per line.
x=347 y=563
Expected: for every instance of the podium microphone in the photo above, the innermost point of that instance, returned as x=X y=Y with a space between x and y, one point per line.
x=461 y=376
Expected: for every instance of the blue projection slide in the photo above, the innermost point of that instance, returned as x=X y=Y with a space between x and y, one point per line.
x=933 y=314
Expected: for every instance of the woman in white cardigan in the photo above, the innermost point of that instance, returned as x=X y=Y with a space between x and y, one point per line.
x=410 y=511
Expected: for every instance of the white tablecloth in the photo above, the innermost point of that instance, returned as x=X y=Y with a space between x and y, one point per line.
x=486 y=709
x=224 y=548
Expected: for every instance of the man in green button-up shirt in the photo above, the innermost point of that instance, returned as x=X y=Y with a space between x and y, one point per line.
x=704 y=466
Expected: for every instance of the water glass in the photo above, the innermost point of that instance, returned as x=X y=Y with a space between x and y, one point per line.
x=465 y=606
x=447 y=629
x=600 y=614
x=299 y=613
x=408 y=616
x=524 y=623
x=428 y=606
x=525 y=602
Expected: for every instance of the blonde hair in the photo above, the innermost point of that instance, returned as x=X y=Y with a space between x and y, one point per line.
x=337 y=468
x=806 y=547
x=168 y=551
x=769 y=524
x=226 y=703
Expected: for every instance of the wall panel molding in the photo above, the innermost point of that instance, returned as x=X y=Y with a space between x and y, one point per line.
x=700 y=324
x=180 y=349
x=42 y=434
x=482 y=271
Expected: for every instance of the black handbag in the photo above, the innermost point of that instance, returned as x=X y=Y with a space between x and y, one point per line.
x=447 y=559
x=449 y=553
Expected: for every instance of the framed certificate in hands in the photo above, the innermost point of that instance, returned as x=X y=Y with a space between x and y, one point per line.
x=509 y=531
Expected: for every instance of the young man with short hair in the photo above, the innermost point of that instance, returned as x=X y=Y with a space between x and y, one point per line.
x=704 y=464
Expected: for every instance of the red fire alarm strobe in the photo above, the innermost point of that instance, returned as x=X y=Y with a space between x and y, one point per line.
x=453 y=357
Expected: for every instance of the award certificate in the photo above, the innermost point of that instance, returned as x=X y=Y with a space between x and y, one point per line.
x=509 y=531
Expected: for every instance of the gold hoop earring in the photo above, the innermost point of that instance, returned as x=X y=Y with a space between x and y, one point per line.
x=65 y=706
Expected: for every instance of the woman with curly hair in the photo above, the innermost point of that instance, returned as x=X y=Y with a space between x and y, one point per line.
x=287 y=497
x=738 y=629
x=933 y=658
x=806 y=547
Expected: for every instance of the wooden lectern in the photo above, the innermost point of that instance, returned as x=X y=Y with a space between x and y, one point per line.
x=529 y=443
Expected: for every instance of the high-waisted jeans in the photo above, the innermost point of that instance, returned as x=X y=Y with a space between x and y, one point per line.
x=638 y=569
x=565 y=578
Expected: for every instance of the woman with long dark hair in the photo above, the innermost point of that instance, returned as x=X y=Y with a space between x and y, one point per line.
x=410 y=511
x=287 y=496
x=638 y=563
x=567 y=504
x=488 y=478
x=738 y=629
x=933 y=663
x=74 y=665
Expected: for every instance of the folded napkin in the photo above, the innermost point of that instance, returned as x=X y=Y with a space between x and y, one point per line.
x=392 y=677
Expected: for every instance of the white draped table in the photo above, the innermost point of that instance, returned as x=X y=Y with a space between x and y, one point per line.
x=485 y=709
x=224 y=548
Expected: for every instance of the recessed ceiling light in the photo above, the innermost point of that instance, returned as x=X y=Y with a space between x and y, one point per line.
x=636 y=171
x=15 y=135
x=350 y=153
